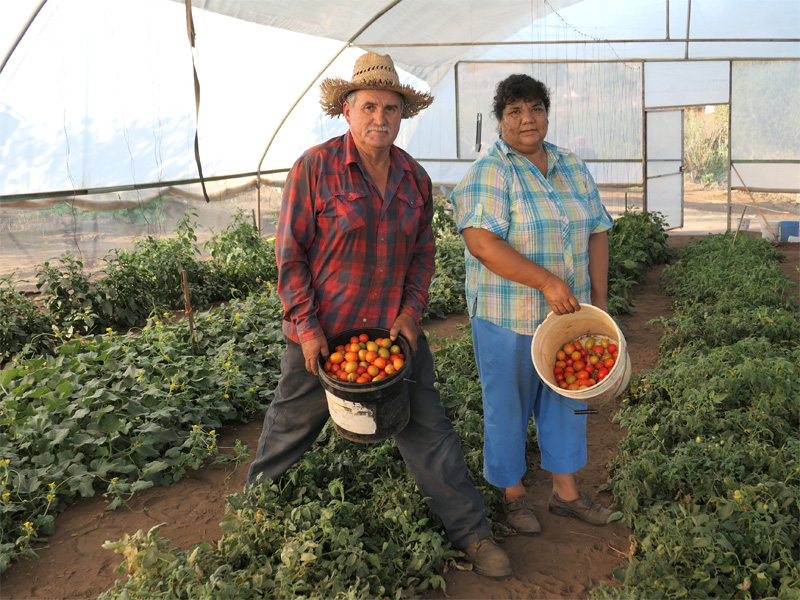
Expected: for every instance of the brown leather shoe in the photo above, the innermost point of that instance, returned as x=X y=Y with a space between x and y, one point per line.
x=519 y=515
x=488 y=558
x=581 y=508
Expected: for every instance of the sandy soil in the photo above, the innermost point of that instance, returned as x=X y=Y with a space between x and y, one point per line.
x=566 y=561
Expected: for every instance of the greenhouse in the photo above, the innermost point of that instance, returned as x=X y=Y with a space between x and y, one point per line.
x=99 y=115
x=144 y=148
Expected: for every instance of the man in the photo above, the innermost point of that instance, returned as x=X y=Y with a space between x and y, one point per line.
x=355 y=248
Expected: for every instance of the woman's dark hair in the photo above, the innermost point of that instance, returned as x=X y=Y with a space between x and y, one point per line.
x=519 y=87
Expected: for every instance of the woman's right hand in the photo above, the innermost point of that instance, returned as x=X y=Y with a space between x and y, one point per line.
x=558 y=293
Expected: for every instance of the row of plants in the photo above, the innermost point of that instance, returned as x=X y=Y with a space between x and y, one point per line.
x=708 y=475
x=132 y=286
x=120 y=412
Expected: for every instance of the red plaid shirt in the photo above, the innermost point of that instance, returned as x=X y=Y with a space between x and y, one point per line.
x=336 y=272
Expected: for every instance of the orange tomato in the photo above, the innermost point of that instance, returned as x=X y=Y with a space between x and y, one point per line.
x=380 y=362
x=568 y=349
x=351 y=366
x=372 y=370
x=336 y=358
x=398 y=363
x=561 y=355
x=351 y=357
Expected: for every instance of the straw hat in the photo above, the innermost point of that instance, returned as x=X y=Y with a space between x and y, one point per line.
x=371 y=72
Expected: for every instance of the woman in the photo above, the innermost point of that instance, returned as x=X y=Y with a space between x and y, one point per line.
x=535 y=233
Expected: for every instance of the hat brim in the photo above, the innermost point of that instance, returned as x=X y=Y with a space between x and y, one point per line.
x=334 y=91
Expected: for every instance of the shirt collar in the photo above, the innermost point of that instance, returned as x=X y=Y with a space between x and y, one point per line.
x=554 y=153
x=351 y=155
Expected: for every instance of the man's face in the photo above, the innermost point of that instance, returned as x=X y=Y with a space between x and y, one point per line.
x=374 y=118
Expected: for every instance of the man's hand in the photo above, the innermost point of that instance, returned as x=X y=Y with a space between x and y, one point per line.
x=560 y=296
x=405 y=325
x=312 y=349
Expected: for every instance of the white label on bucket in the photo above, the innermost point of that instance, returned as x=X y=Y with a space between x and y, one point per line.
x=351 y=416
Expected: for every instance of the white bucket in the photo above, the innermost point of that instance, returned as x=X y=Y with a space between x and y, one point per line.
x=555 y=331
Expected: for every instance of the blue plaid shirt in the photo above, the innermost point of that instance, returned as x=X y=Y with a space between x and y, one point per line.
x=547 y=220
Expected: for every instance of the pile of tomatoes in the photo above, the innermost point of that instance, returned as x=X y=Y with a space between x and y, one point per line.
x=364 y=360
x=580 y=364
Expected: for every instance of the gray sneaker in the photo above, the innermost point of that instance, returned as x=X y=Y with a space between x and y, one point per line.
x=488 y=558
x=519 y=515
x=581 y=508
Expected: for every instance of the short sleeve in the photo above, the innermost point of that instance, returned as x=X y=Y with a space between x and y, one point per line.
x=482 y=198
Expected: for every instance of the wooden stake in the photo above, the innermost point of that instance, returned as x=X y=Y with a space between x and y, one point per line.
x=188 y=309
x=754 y=201
x=738 y=226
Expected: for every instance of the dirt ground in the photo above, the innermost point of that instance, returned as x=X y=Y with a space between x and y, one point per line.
x=566 y=561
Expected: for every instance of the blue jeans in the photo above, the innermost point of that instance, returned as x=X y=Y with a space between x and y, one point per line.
x=429 y=444
x=512 y=393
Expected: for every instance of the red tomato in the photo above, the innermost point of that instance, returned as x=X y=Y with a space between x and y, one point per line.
x=611 y=349
x=609 y=362
x=556 y=370
x=577 y=345
x=583 y=352
x=363 y=338
x=354 y=339
x=559 y=377
x=581 y=375
x=578 y=365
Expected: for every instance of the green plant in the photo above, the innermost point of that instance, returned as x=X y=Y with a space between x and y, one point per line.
x=240 y=258
x=24 y=328
x=708 y=475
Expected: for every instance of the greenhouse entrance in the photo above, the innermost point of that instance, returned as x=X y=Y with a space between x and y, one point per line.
x=664 y=170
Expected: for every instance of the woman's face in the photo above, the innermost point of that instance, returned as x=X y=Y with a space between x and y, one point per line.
x=524 y=126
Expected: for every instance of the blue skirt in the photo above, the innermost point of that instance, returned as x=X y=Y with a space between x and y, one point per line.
x=512 y=393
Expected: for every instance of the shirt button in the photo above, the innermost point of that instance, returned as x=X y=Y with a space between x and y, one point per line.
x=363 y=320
x=383 y=239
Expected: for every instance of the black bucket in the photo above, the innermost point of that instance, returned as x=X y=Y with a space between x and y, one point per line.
x=368 y=412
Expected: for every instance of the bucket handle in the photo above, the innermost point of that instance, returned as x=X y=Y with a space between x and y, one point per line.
x=576 y=411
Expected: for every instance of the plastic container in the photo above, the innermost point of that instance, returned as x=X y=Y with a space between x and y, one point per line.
x=789 y=229
x=368 y=412
x=555 y=331
x=774 y=235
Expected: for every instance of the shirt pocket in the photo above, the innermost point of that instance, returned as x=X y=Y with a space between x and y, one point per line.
x=346 y=209
x=410 y=209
